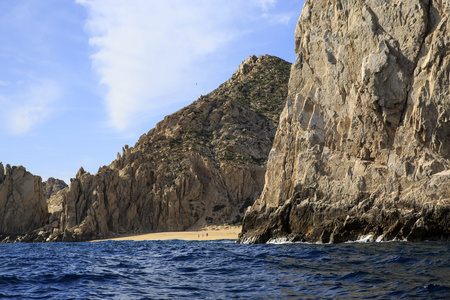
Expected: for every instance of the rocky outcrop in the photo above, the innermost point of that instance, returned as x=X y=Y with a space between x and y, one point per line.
x=52 y=186
x=202 y=165
x=363 y=144
x=22 y=204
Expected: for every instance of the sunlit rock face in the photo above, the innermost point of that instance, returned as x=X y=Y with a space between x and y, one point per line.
x=202 y=165
x=363 y=144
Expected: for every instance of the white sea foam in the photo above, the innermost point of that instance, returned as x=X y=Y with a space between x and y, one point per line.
x=368 y=238
x=278 y=241
x=249 y=240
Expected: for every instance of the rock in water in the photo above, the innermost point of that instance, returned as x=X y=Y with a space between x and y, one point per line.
x=363 y=143
x=22 y=203
x=204 y=164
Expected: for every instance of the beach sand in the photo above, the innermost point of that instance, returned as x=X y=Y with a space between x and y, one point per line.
x=223 y=232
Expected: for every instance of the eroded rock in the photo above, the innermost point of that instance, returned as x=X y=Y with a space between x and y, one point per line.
x=23 y=207
x=362 y=146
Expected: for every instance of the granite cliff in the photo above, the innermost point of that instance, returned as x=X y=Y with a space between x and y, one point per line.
x=22 y=203
x=202 y=165
x=363 y=143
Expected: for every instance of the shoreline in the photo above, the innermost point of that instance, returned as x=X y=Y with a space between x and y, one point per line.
x=209 y=233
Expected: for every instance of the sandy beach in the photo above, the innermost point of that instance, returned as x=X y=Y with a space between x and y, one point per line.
x=204 y=234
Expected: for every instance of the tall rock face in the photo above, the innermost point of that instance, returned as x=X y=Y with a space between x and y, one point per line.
x=23 y=207
x=363 y=144
x=204 y=164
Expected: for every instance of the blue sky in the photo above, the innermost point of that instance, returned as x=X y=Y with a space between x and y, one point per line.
x=82 y=78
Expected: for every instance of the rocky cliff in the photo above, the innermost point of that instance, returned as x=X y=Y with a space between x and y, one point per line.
x=363 y=144
x=23 y=207
x=202 y=165
x=52 y=186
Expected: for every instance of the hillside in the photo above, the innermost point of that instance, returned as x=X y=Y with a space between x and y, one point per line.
x=203 y=165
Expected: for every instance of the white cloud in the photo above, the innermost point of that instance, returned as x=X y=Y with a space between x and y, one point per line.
x=144 y=48
x=148 y=50
x=32 y=106
x=4 y=83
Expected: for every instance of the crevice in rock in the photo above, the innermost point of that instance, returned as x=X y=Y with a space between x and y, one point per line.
x=415 y=62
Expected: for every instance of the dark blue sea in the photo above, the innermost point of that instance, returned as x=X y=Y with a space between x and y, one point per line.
x=224 y=270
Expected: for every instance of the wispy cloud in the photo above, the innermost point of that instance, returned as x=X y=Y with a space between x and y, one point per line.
x=146 y=51
x=266 y=4
x=275 y=19
x=30 y=107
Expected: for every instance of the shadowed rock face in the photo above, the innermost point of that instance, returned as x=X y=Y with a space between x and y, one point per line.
x=202 y=165
x=22 y=204
x=363 y=143
x=52 y=186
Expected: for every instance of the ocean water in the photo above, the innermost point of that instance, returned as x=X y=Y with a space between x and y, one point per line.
x=224 y=270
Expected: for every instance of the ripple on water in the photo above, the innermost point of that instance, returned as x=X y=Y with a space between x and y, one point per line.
x=224 y=269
